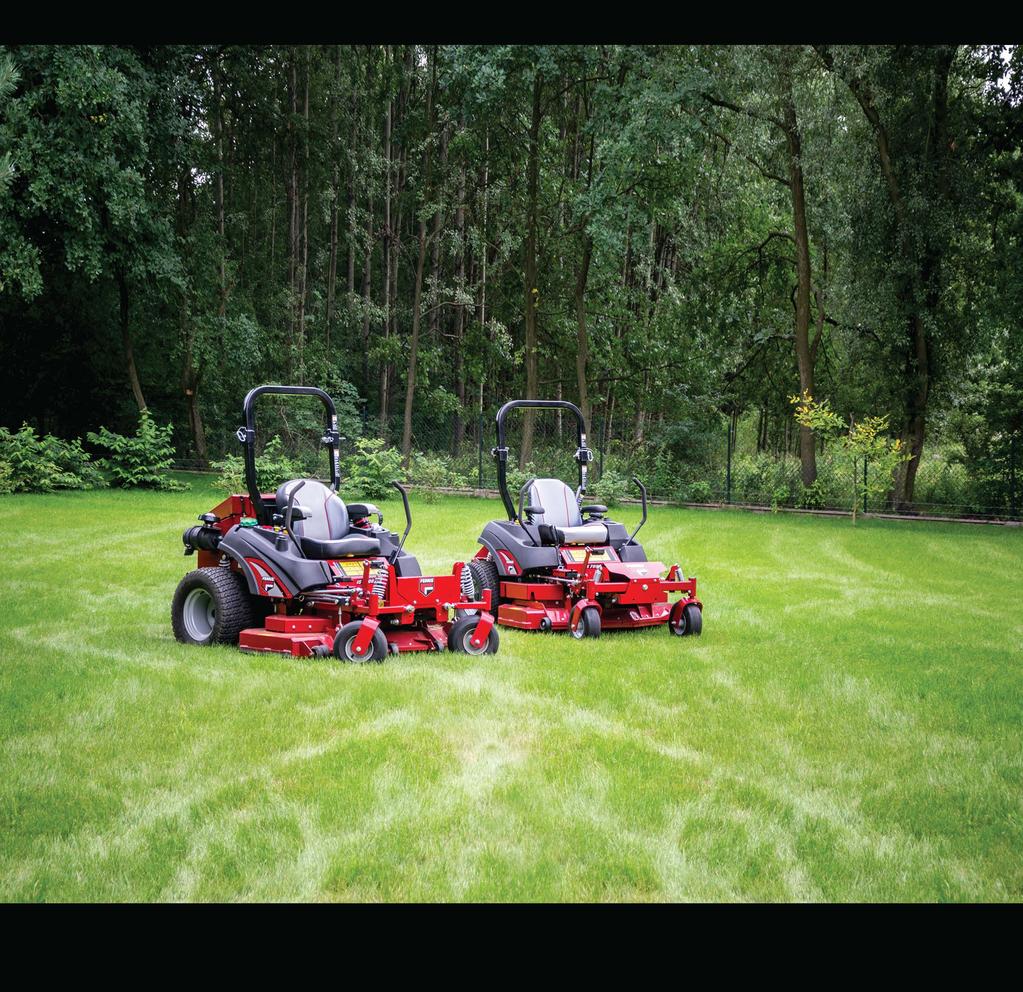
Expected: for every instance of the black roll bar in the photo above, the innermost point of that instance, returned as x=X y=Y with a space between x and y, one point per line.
x=583 y=454
x=247 y=436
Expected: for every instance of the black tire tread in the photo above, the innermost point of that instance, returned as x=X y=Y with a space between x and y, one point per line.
x=485 y=575
x=464 y=624
x=235 y=609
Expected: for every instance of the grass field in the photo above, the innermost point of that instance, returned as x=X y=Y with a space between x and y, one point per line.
x=847 y=728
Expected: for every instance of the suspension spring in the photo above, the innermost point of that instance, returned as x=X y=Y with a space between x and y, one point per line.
x=468 y=589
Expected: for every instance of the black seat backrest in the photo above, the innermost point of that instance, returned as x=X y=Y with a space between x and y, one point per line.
x=328 y=515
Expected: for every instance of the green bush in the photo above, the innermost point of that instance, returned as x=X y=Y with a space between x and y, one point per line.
x=139 y=461
x=431 y=472
x=6 y=479
x=612 y=488
x=273 y=467
x=371 y=469
x=699 y=492
x=813 y=497
x=42 y=465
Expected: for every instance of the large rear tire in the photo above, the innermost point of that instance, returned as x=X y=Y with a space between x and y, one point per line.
x=211 y=606
x=484 y=576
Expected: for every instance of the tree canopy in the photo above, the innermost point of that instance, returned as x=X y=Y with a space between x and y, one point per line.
x=672 y=237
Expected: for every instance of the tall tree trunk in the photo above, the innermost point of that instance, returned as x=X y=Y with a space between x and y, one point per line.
x=582 y=342
x=532 y=291
x=804 y=359
x=304 y=272
x=458 y=427
x=919 y=293
x=417 y=295
x=129 y=351
x=388 y=238
x=335 y=200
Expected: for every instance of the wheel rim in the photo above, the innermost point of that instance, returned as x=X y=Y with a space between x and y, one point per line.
x=471 y=648
x=579 y=629
x=350 y=650
x=200 y=614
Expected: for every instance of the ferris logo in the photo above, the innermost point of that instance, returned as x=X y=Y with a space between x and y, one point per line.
x=511 y=566
x=426 y=586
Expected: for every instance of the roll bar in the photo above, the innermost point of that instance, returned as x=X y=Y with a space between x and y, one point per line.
x=583 y=454
x=246 y=434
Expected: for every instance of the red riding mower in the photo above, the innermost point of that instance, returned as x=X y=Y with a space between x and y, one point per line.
x=555 y=564
x=310 y=577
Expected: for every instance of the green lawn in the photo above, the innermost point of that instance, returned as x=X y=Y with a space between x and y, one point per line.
x=847 y=728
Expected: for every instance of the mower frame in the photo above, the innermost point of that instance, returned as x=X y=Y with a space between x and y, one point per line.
x=545 y=586
x=309 y=602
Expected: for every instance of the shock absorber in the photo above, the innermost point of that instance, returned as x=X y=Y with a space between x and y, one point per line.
x=468 y=589
x=380 y=582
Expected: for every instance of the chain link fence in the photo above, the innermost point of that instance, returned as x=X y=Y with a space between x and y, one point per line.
x=715 y=464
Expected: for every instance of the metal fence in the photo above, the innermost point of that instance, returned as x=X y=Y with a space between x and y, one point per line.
x=722 y=468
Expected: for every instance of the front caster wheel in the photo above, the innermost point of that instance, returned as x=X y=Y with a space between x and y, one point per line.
x=463 y=634
x=588 y=624
x=688 y=620
x=344 y=644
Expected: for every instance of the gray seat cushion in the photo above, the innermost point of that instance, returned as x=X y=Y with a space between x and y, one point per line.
x=326 y=532
x=585 y=534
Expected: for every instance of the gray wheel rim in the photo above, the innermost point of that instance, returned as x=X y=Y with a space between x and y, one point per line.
x=471 y=648
x=579 y=629
x=357 y=658
x=200 y=614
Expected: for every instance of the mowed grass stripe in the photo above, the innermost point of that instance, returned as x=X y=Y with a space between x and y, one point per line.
x=848 y=727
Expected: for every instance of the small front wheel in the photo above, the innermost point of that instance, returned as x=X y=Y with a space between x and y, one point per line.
x=588 y=624
x=689 y=620
x=344 y=644
x=461 y=637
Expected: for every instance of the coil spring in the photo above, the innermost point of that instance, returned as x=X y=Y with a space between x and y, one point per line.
x=468 y=588
x=380 y=582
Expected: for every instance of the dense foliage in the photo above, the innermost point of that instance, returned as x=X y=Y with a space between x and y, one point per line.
x=675 y=238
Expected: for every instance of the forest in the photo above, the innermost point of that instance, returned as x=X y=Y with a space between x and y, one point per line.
x=679 y=239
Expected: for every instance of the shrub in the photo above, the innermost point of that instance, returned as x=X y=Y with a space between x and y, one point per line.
x=139 y=461
x=41 y=465
x=814 y=497
x=700 y=492
x=433 y=471
x=372 y=468
x=6 y=479
x=273 y=467
x=612 y=488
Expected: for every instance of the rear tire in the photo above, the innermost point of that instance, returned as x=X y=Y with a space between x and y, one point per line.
x=211 y=606
x=588 y=625
x=690 y=622
x=345 y=638
x=460 y=637
x=484 y=576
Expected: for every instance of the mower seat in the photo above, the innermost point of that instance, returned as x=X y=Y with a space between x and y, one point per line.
x=564 y=522
x=326 y=531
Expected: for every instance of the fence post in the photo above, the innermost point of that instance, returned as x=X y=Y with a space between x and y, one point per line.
x=728 y=465
x=864 y=483
x=1013 y=510
x=480 y=452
